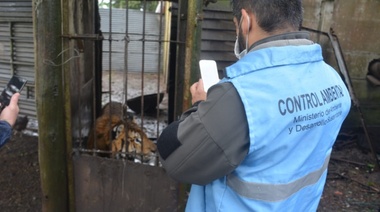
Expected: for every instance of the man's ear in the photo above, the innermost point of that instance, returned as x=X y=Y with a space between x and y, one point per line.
x=246 y=22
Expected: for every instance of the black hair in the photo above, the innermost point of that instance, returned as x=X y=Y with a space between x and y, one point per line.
x=271 y=15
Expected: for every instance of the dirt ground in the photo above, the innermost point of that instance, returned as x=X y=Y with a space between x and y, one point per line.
x=20 y=188
x=351 y=183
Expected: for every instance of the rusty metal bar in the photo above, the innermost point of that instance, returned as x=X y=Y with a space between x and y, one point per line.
x=342 y=65
x=143 y=71
x=159 y=81
x=84 y=36
x=343 y=69
x=98 y=37
x=127 y=40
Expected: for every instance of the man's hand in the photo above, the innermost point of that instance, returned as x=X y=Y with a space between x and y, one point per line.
x=198 y=92
x=10 y=113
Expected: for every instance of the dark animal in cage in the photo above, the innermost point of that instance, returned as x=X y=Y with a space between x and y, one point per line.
x=150 y=103
x=374 y=72
x=120 y=135
x=20 y=124
x=206 y=2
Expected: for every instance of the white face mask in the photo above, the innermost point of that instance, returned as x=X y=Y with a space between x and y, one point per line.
x=238 y=53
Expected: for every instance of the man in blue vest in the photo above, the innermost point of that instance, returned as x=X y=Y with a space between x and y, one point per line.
x=8 y=118
x=260 y=139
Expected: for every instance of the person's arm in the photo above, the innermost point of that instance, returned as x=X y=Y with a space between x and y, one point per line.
x=8 y=118
x=5 y=132
x=210 y=140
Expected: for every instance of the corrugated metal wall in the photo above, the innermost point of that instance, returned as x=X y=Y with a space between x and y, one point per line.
x=136 y=34
x=16 y=29
x=218 y=35
x=17 y=49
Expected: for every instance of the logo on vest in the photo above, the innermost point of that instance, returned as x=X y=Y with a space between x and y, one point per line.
x=315 y=102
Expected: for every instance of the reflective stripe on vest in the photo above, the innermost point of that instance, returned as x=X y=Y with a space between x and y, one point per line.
x=274 y=192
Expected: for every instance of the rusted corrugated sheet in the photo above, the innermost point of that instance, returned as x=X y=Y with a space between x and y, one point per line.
x=17 y=49
x=103 y=184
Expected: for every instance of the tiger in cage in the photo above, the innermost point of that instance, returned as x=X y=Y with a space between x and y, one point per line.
x=116 y=131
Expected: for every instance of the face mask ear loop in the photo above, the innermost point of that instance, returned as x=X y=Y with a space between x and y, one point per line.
x=241 y=20
x=246 y=40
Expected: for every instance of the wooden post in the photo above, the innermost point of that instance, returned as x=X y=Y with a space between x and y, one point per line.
x=50 y=104
x=188 y=59
x=192 y=48
x=66 y=77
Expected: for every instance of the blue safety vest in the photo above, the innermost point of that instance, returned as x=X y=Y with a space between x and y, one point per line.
x=295 y=105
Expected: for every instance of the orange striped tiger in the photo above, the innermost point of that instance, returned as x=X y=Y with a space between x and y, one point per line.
x=110 y=132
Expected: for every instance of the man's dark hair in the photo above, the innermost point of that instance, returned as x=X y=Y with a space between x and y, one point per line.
x=271 y=15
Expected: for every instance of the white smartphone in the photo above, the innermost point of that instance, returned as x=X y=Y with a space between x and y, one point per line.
x=209 y=73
